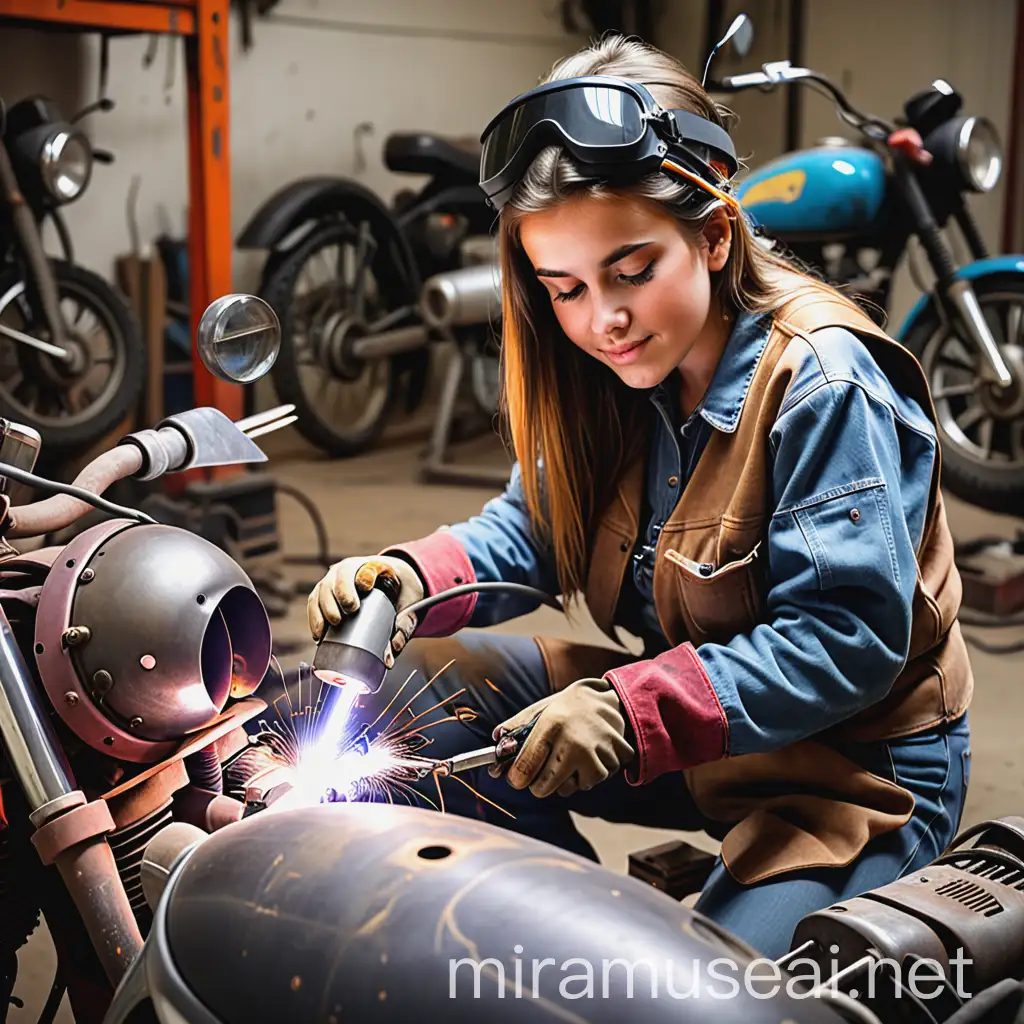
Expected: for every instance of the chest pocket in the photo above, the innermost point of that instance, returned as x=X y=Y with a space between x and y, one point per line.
x=719 y=602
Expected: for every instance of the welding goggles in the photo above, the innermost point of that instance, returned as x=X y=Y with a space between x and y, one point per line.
x=613 y=129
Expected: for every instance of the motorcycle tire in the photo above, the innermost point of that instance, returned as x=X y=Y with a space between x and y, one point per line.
x=278 y=289
x=986 y=484
x=118 y=397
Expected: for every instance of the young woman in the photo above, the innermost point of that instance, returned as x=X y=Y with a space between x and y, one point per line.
x=733 y=463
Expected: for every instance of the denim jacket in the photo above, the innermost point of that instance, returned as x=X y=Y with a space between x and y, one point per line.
x=825 y=652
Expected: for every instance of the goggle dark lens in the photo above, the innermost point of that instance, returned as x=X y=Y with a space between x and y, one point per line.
x=590 y=115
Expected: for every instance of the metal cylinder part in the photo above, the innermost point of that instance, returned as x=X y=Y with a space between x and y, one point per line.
x=390 y=343
x=458 y=298
x=160 y=855
x=90 y=873
x=29 y=740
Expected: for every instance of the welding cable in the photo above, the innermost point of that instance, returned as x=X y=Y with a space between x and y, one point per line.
x=1013 y=647
x=983 y=620
x=322 y=556
x=477 y=588
x=118 y=511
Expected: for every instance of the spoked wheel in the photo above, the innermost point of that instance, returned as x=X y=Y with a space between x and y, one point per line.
x=327 y=295
x=73 y=403
x=981 y=424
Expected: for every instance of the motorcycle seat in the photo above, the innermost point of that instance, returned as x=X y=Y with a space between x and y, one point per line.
x=436 y=155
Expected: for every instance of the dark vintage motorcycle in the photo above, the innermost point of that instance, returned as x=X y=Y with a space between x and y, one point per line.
x=72 y=361
x=155 y=829
x=353 y=284
x=852 y=208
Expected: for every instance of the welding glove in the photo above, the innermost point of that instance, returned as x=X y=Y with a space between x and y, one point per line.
x=577 y=741
x=337 y=595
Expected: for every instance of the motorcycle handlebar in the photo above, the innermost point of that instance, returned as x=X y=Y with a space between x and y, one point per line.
x=785 y=74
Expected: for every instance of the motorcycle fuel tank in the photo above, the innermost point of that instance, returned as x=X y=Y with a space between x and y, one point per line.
x=828 y=190
x=384 y=913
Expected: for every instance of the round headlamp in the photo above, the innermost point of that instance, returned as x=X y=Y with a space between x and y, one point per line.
x=979 y=153
x=65 y=162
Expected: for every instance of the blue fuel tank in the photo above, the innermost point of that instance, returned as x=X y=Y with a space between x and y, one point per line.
x=831 y=190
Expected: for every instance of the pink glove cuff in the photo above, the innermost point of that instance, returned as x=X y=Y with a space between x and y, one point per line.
x=442 y=563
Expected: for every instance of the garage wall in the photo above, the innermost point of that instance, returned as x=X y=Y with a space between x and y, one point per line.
x=318 y=69
x=321 y=67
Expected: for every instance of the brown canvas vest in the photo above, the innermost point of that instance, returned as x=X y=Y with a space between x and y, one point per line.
x=806 y=805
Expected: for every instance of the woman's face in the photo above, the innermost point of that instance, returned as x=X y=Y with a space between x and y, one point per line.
x=627 y=287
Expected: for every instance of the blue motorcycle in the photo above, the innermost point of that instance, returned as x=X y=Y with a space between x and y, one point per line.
x=851 y=209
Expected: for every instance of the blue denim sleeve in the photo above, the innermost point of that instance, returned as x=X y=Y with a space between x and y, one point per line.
x=501 y=546
x=850 y=477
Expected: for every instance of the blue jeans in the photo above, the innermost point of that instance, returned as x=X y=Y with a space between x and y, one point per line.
x=934 y=766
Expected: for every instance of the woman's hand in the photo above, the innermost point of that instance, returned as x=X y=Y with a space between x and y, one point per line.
x=578 y=740
x=337 y=595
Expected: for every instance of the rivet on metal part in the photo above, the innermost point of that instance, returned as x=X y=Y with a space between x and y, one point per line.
x=75 y=635
x=135 y=722
x=148 y=662
x=102 y=681
x=87 y=575
x=71 y=698
x=108 y=741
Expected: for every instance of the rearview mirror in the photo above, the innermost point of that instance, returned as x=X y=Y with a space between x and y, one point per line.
x=238 y=339
x=740 y=34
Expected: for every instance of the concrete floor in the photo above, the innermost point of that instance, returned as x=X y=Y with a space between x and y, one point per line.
x=376 y=499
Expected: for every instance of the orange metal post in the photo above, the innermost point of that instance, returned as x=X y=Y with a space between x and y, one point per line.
x=210 y=241
x=116 y=15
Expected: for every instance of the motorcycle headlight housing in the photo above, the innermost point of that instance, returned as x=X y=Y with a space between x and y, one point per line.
x=65 y=163
x=979 y=153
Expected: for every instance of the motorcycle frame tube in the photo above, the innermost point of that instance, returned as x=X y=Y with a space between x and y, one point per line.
x=155 y=974
x=41 y=282
x=29 y=739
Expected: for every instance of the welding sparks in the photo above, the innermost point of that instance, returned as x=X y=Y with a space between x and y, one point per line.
x=331 y=760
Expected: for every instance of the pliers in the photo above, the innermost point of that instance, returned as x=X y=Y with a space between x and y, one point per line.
x=503 y=752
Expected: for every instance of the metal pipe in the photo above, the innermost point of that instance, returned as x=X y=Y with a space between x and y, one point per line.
x=470 y=295
x=29 y=740
x=89 y=872
x=390 y=343
x=965 y=302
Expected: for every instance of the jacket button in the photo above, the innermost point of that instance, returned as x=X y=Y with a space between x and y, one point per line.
x=855 y=514
x=624 y=546
x=673 y=481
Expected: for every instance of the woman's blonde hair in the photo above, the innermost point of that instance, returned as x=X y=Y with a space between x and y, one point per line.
x=574 y=425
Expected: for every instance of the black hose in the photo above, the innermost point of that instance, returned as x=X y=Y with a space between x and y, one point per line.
x=968 y=617
x=323 y=547
x=118 y=511
x=476 y=588
x=1014 y=647
x=54 y=999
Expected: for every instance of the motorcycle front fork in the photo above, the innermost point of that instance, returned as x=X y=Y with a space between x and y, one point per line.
x=41 y=284
x=952 y=292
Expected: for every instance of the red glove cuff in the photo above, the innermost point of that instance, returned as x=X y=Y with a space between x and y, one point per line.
x=675 y=714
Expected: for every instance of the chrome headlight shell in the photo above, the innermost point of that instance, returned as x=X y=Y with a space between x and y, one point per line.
x=979 y=153
x=65 y=163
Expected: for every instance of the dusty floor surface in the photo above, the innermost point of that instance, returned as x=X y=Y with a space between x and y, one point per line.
x=378 y=498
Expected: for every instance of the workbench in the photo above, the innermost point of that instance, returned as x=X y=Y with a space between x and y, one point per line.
x=203 y=24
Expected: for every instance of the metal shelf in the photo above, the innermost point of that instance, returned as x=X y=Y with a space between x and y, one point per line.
x=204 y=26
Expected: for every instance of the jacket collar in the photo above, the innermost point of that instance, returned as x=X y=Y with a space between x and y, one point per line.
x=723 y=401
